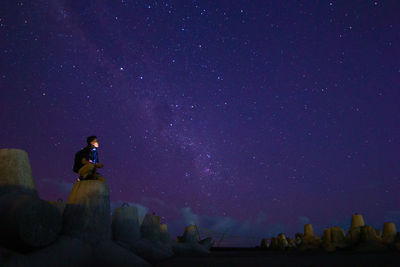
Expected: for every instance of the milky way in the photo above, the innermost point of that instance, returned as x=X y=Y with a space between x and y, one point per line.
x=245 y=117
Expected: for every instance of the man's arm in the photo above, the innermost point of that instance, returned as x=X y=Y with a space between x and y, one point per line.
x=85 y=161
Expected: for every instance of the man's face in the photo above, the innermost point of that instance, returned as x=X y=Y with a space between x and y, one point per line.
x=95 y=143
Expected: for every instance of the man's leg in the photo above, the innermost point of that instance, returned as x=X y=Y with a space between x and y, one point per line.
x=86 y=171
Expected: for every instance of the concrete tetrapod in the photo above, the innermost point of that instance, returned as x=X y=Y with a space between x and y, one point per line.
x=15 y=172
x=125 y=224
x=354 y=234
x=87 y=213
x=26 y=220
x=389 y=233
x=152 y=245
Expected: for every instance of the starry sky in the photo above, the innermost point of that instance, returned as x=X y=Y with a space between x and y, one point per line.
x=248 y=118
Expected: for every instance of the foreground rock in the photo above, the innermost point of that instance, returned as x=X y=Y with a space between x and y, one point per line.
x=69 y=251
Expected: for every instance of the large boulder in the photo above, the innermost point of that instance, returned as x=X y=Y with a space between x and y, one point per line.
x=125 y=224
x=87 y=213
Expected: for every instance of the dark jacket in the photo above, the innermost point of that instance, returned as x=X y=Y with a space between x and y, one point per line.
x=90 y=154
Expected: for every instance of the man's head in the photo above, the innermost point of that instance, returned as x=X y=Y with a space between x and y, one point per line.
x=92 y=141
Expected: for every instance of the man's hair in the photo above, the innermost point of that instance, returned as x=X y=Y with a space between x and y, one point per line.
x=90 y=139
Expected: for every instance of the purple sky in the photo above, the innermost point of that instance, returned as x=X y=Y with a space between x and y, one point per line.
x=248 y=118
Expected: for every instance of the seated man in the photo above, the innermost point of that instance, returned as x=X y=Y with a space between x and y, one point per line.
x=87 y=161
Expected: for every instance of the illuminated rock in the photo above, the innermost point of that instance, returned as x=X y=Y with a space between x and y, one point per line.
x=357 y=220
x=87 y=213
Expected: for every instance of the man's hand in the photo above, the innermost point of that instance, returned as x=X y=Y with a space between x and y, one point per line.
x=98 y=165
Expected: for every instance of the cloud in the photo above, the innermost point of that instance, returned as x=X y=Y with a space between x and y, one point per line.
x=64 y=187
x=189 y=217
x=304 y=220
x=393 y=216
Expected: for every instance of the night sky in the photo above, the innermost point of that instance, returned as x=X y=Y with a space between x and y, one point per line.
x=248 y=118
